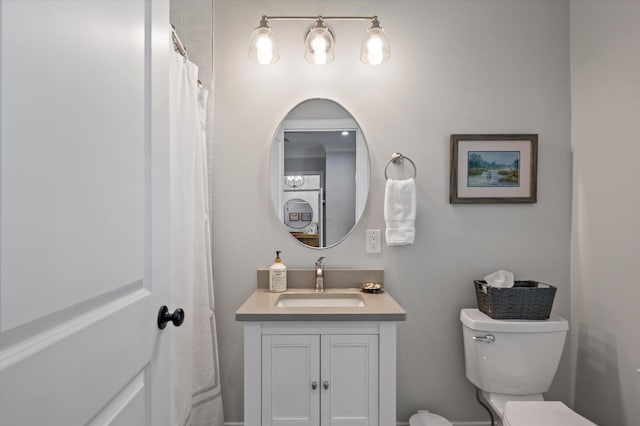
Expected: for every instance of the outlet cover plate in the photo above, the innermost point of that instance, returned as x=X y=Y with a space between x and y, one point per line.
x=373 y=242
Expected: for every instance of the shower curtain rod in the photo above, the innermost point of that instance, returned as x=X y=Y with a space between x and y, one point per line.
x=177 y=43
x=180 y=47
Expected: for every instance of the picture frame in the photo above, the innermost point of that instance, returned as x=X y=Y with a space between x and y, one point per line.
x=305 y=217
x=493 y=168
x=294 y=217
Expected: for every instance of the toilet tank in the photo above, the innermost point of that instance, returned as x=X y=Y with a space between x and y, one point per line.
x=520 y=359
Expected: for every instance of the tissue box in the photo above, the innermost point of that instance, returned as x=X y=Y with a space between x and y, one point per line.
x=529 y=300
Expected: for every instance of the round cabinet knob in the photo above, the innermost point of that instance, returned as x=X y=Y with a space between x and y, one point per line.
x=177 y=317
x=325 y=384
x=314 y=385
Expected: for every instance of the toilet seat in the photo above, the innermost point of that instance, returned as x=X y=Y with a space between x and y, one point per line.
x=536 y=413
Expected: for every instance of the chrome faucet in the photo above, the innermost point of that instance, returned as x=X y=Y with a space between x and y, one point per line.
x=320 y=274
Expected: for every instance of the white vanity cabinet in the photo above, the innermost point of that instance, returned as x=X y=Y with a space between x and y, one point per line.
x=320 y=373
x=319 y=379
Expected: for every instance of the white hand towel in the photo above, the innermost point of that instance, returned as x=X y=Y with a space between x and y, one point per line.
x=400 y=212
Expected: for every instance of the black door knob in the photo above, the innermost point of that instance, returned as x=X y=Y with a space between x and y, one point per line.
x=164 y=316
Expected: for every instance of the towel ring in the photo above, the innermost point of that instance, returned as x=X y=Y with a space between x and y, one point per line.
x=398 y=158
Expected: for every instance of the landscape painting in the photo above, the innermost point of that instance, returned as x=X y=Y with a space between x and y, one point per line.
x=493 y=168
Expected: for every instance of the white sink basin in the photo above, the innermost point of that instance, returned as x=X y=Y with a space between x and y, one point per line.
x=320 y=300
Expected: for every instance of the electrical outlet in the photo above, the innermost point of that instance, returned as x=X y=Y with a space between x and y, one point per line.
x=373 y=241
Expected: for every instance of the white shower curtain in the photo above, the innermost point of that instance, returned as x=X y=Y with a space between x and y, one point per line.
x=197 y=398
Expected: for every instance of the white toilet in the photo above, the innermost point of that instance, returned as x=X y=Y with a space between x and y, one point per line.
x=513 y=362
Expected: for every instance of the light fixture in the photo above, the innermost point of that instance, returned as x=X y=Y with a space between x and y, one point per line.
x=319 y=40
x=375 y=45
x=262 y=45
x=318 y=44
x=294 y=181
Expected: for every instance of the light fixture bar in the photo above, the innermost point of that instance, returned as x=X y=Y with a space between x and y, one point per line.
x=313 y=18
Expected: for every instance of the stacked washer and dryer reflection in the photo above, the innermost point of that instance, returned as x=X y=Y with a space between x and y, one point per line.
x=302 y=203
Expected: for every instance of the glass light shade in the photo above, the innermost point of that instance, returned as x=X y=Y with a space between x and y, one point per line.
x=375 y=48
x=262 y=45
x=318 y=44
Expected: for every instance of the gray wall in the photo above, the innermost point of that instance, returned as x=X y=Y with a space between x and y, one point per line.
x=340 y=195
x=605 y=66
x=476 y=66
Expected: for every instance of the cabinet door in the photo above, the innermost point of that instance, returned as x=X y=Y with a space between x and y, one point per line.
x=290 y=366
x=349 y=379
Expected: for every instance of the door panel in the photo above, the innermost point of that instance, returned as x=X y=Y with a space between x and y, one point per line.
x=84 y=212
x=350 y=367
x=73 y=138
x=58 y=375
x=128 y=408
x=290 y=364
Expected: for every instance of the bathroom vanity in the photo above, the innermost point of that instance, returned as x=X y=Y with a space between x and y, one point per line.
x=319 y=358
x=327 y=357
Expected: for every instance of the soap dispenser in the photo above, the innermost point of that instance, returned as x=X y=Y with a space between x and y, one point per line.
x=278 y=275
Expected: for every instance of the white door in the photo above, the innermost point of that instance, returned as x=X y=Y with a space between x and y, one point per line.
x=290 y=380
x=84 y=212
x=349 y=380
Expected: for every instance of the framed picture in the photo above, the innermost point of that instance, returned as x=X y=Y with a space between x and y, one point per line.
x=294 y=217
x=493 y=169
x=305 y=217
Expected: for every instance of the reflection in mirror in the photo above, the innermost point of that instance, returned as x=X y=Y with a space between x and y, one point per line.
x=319 y=173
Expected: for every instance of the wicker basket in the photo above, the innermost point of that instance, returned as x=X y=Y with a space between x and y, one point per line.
x=529 y=300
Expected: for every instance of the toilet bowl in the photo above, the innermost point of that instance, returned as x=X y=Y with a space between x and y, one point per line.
x=425 y=418
x=512 y=363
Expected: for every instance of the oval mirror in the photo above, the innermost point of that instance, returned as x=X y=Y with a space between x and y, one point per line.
x=319 y=173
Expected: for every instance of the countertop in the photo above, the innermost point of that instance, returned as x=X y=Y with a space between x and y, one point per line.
x=261 y=306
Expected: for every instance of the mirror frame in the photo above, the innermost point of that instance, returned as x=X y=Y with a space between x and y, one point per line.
x=363 y=162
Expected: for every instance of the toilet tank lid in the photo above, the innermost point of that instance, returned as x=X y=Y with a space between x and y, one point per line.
x=476 y=320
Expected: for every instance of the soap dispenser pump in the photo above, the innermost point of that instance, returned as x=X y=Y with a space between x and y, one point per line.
x=278 y=275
